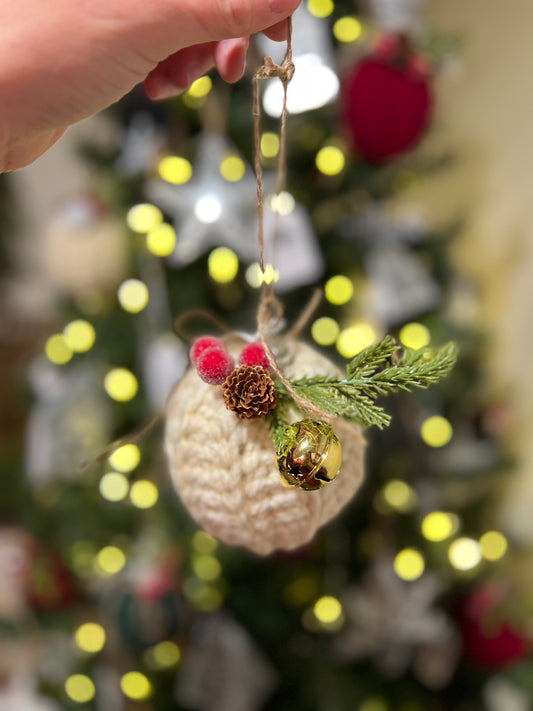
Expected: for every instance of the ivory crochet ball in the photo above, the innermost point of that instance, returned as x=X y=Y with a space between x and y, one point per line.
x=225 y=470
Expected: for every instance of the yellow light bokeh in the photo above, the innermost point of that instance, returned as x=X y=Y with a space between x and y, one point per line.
x=144 y=494
x=125 y=458
x=90 y=637
x=57 y=350
x=399 y=495
x=205 y=597
x=320 y=8
x=439 y=525
x=301 y=590
x=409 y=564
x=120 y=384
x=200 y=88
x=161 y=240
x=175 y=170
x=355 y=339
x=81 y=556
x=133 y=295
x=325 y=331
x=223 y=265
x=464 y=553
x=436 y=431
x=204 y=543
x=327 y=610
x=375 y=703
x=163 y=655
x=136 y=686
x=110 y=560
x=269 y=144
x=330 y=160
x=143 y=217
x=232 y=168
x=493 y=545
x=255 y=277
x=80 y=688
x=338 y=289
x=114 y=486
x=347 y=29
x=414 y=336
x=79 y=335
x=207 y=567
x=283 y=203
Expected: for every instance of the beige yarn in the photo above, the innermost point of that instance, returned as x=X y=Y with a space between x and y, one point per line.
x=225 y=471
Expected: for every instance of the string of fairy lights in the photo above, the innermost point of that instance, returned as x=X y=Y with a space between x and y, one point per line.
x=205 y=586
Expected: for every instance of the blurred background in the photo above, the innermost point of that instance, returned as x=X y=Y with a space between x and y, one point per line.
x=407 y=199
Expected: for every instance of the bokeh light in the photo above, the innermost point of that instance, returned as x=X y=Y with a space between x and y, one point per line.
x=493 y=545
x=207 y=567
x=330 y=160
x=161 y=240
x=464 y=553
x=143 y=217
x=223 y=265
x=200 y=88
x=79 y=335
x=347 y=29
x=163 y=655
x=338 y=289
x=409 y=564
x=269 y=144
x=436 y=431
x=57 y=349
x=283 y=203
x=125 y=458
x=144 y=494
x=398 y=495
x=133 y=295
x=136 y=686
x=414 y=336
x=320 y=8
x=208 y=208
x=175 y=170
x=110 y=560
x=378 y=703
x=79 y=688
x=355 y=339
x=120 y=384
x=325 y=331
x=439 y=525
x=114 y=486
x=90 y=637
x=232 y=168
x=327 y=610
x=204 y=543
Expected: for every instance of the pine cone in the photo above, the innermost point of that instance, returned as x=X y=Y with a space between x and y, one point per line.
x=249 y=392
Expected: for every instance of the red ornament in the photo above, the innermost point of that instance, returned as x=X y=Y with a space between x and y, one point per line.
x=387 y=101
x=50 y=586
x=254 y=354
x=489 y=641
x=214 y=365
x=202 y=344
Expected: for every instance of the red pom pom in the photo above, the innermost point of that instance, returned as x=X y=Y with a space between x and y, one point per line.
x=214 y=365
x=387 y=106
x=254 y=354
x=202 y=344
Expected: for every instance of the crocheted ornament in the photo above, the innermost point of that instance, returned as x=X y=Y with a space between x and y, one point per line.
x=249 y=392
x=225 y=470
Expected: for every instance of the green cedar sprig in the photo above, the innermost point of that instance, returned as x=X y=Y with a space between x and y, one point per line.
x=378 y=370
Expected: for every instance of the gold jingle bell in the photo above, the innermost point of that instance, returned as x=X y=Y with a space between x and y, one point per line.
x=314 y=458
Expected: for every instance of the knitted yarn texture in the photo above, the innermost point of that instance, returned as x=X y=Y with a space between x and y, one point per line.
x=225 y=471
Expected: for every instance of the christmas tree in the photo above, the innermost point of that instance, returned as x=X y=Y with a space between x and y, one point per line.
x=114 y=596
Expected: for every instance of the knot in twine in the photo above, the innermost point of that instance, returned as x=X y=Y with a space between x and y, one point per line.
x=283 y=71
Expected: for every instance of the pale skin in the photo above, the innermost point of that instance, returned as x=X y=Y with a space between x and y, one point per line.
x=64 y=60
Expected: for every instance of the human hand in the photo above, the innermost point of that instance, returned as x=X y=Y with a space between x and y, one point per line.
x=62 y=61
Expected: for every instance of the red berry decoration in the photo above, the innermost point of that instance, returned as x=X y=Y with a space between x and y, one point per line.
x=214 y=365
x=254 y=354
x=202 y=344
x=387 y=101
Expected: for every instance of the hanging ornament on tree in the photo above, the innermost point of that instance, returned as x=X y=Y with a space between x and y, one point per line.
x=387 y=100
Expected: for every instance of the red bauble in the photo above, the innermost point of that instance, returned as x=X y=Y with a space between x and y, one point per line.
x=50 y=586
x=214 y=365
x=387 y=105
x=254 y=354
x=489 y=641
